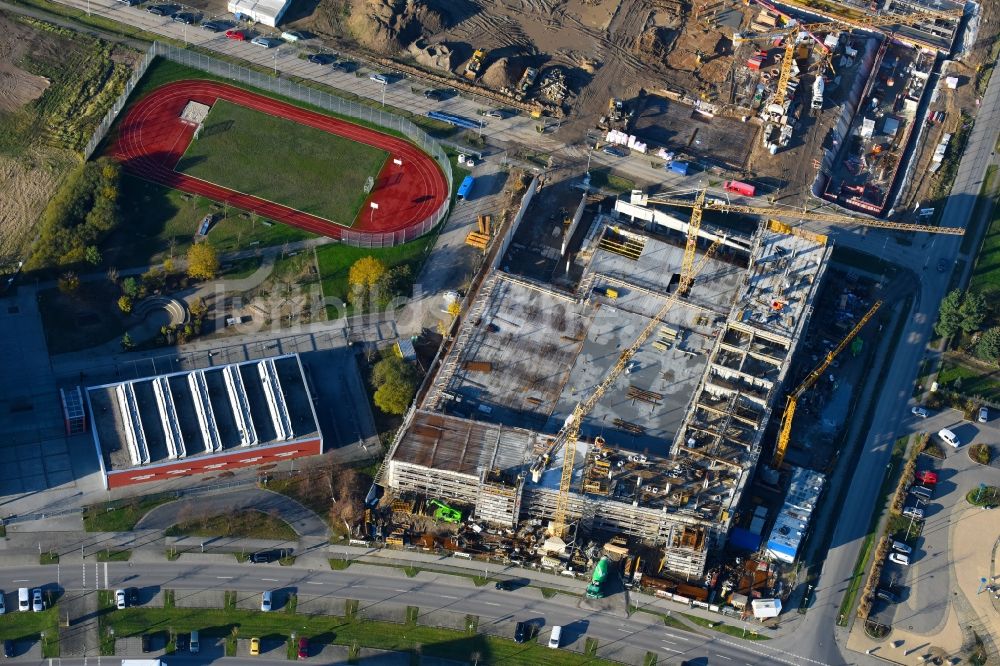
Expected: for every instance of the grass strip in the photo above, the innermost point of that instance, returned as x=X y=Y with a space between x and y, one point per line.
x=120 y=516
x=748 y=632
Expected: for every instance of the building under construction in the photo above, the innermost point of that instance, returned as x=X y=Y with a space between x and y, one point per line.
x=665 y=455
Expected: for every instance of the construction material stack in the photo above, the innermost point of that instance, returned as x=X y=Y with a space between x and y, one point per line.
x=481 y=237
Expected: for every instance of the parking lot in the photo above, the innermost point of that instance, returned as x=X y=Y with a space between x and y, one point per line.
x=926 y=587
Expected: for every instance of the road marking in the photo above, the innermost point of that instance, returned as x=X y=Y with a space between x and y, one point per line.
x=313 y=582
x=398 y=590
x=680 y=638
x=447 y=596
x=722 y=656
x=673 y=650
x=669 y=642
x=223 y=577
x=490 y=603
x=270 y=580
x=21 y=580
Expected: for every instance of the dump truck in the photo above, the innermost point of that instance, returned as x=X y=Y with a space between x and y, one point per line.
x=444 y=512
x=475 y=64
x=527 y=80
x=596 y=588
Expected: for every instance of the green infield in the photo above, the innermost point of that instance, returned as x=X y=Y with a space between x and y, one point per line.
x=279 y=160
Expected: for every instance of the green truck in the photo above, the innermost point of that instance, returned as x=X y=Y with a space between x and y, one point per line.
x=444 y=512
x=596 y=588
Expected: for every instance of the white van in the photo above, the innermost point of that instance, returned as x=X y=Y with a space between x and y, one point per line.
x=555 y=636
x=949 y=438
x=194 y=646
x=23 y=599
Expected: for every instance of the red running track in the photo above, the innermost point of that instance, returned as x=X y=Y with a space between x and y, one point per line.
x=152 y=138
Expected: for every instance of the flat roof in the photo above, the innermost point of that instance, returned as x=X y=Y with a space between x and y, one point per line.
x=792 y=523
x=201 y=412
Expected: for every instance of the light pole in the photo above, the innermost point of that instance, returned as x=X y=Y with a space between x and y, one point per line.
x=275 y=55
x=384 y=86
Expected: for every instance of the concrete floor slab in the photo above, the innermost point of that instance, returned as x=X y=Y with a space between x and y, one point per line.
x=200 y=598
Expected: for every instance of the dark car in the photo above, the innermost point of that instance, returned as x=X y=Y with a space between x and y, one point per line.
x=942 y=265
x=146 y=643
x=132 y=594
x=503 y=585
x=435 y=95
x=264 y=556
x=321 y=59
x=614 y=151
x=522 y=632
x=160 y=10
x=303 y=648
x=181 y=644
x=187 y=18
x=888 y=595
x=8 y=648
x=214 y=26
x=130 y=3
x=346 y=66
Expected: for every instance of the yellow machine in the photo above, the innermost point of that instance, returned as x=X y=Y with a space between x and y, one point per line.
x=475 y=64
x=793 y=398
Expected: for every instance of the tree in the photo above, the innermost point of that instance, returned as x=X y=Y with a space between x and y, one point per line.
x=394 y=397
x=988 y=347
x=395 y=382
x=949 y=316
x=125 y=303
x=203 y=261
x=69 y=282
x=93 y=255
x=127 y=342
x=363 y=280
x=973 y=312
x=130 y=287
x=198 y=308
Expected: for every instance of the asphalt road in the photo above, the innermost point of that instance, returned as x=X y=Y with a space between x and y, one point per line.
x=427 y=591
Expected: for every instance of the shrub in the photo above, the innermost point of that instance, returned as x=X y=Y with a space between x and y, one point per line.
x=980 y=453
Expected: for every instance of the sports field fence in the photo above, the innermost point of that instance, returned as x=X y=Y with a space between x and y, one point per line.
x=302 y=93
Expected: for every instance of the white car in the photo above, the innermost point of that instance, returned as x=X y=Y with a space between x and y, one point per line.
x=3 y=605
x=984 y=415
x=920 y=412
x=899 y=558
x=381 y=79
x=949 y=438
x=265 y=601
x=914 y=512
x=266 y=42
x=37 y=605
x=292 y=36
x=901 y=547
x=120 y=599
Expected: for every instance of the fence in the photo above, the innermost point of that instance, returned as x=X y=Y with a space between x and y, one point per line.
x=318 y=98
x=116 y=108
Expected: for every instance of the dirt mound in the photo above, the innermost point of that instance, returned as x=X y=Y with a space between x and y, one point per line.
x=389 y=26
x=437 y=56
x=499 y=75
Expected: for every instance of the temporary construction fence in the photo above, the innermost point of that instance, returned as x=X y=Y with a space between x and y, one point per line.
x=309 y=95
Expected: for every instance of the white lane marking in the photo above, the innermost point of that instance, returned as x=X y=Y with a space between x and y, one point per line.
x=402 y=590
x=490 y=603
x=21 y=580
x=447 y=596
x=270 y=580
x=680 y=638
x=722 y=656
x=223 y=577
x=313 y=582
x=627 y=631
x=673 y=650
x=669 y=642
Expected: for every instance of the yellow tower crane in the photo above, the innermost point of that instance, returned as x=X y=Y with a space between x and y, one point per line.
x=701 y=204
x=793 y=398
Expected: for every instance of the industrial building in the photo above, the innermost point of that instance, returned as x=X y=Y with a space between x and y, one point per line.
x=665 y=455
x=209 y=420
x=268 y=12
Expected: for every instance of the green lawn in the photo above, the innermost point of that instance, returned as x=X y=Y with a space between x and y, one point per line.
x=153 y=217
x=429 y=641
x=282 y=161
x=973 y=381
x=986 y=273
x=120 y=516
x=249 y=524
x=29 y=626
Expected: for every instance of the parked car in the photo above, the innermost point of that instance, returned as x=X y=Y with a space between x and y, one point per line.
x=238 y=35
x=37 y=605
x=130 y=3
x=132 y=595
x=494 y=113
x=346 y=66
x=8 y=649
x=379 y=78
x=23 y=599
x=147 y=643
x=434 y=95
x=887 y=595
x=949 y=438
x=321 y=59
x=120 y=602
x=614 y=151
x=901 y=547
x=213 y=26
x=503 y=585
x=522 y=632
x=555 y=636
x=920 y=411
x=927 y=477
x=266 y=42
x=899 y=558
x=914 y=512
x=181 y=642
x=293 y=36
x=264 y=556
x=160 y=10
x=187 y=18
x=303 y=648
x=922 y=492
x=254 y=646
x=984 y=415
x=3 y=605
x=942 y=265
x=265 y=601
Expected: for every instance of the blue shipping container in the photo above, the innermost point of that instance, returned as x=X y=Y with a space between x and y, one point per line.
x=679 y=167
x=465 y=188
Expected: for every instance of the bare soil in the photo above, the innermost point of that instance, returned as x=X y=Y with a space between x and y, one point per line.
x=17 y=86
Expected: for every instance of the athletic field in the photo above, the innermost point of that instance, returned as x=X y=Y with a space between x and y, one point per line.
x=283 y=161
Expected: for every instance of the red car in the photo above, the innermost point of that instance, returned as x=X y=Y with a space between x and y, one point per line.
x=927 y=478
x=238 y=35
x=303 y=648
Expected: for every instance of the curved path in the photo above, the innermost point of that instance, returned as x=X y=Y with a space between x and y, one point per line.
x=301 y=519
x=152 y=138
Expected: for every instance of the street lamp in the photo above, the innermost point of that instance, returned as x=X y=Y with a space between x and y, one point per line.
x=384 y=86
x=275 y=55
